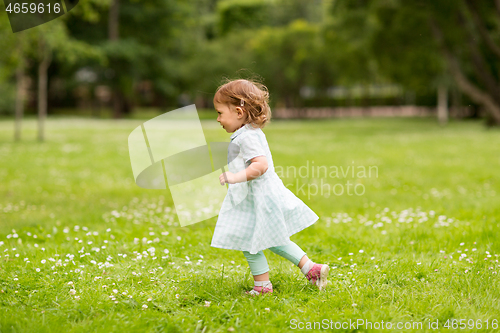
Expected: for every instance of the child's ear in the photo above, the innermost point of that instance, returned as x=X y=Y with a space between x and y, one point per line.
x=240 y=112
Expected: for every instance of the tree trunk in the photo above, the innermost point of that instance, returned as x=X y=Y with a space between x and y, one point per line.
x=117 y=103
x=481 y=27
x=476 y=94
x=42 y=87
x=489 y=102
x=19 y=98
x=117 y=99
x=113 y=22
x=442 y=105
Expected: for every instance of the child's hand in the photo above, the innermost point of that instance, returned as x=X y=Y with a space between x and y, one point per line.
x=227 y=177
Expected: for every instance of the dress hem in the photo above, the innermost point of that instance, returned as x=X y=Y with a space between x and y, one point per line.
x=293 y=232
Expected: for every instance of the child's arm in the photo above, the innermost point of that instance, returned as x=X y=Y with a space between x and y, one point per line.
x=257 y=167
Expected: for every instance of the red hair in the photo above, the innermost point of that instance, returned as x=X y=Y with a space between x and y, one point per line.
x=253 y=97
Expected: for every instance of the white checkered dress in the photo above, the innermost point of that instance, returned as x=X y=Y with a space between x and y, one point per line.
x=268 y=213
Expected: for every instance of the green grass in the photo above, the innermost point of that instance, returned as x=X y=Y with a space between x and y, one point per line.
x=142 y=113
x=396 y=251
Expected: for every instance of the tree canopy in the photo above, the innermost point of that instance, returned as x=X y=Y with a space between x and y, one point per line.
x=188 y=47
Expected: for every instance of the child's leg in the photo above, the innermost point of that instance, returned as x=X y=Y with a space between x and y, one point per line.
x=292 y=252
x=260 y=271
x=258 y=265
x=315 y=273
x=295 y=254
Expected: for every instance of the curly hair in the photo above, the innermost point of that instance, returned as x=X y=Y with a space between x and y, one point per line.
x=253 y=97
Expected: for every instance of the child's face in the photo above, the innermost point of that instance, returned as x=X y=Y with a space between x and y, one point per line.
x=231 y=118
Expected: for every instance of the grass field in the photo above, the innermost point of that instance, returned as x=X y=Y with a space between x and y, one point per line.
x=83 y=249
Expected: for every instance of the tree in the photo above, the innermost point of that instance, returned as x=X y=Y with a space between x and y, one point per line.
x=55 y=41
x=12 y=63
x=41 y=45
x=276 y=42
x=45 y=54
x=20 y=93
x=150 y=46
x=421 y=43
x=235 y=15
x=287 y=56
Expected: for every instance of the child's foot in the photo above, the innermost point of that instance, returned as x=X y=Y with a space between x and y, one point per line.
x=318 y=274
x=259 y=290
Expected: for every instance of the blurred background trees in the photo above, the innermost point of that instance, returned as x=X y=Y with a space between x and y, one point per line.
x=115 y=57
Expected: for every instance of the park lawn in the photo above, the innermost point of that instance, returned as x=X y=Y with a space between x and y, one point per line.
x=83 y=249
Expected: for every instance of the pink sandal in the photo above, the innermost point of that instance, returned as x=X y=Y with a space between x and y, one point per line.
x=268 y=289
x=318 y=275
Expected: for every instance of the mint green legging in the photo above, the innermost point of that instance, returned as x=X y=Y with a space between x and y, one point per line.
x=258 y=262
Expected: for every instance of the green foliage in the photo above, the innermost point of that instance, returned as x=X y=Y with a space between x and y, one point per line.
x=212 y=62
x=8 y=63
x=404 y=46
x=288 y=55
x=235 y=15
x=412 y=43
x=189 y=46
x=7 y=91
x=89 y=11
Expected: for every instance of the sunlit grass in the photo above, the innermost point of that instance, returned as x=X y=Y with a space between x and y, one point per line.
x=84 y=249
